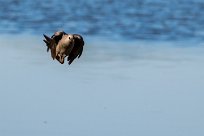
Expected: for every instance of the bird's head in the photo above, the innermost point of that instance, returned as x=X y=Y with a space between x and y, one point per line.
x=70 y=39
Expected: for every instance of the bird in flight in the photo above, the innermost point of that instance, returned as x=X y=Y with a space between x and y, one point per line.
x=64 y=45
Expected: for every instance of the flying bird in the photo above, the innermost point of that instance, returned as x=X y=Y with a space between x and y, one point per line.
x=64 y=45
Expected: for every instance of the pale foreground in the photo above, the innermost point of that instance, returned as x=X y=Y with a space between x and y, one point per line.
x=115 y=89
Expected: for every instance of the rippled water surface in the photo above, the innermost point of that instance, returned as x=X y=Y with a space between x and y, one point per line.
x=150 y=85
x=129 y=19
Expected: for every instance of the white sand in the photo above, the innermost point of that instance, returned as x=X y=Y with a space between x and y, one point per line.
x=114 y=89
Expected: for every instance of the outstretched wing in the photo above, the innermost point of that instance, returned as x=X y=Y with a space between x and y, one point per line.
x=57 y=36
x=51 y=44
x=77 y=49
x=53 y=41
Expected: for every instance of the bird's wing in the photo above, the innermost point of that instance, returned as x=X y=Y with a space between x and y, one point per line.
x=58 y=36
x=77 y=49
x=51 y=44
x=55 y=38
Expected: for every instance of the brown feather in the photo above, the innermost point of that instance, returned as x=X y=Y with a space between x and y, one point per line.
x=77 y=49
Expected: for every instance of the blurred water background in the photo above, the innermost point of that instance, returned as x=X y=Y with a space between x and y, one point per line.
x=141 y=72
x=130 y=19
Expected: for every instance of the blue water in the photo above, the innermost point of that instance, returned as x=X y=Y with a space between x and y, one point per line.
x=112 y=90
x=129 y=19
x=152 y=86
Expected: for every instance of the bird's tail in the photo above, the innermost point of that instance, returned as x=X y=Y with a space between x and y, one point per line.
x=50 y=43
x=47 y=40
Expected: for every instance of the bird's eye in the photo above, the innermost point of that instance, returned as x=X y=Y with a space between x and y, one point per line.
x=69 y=37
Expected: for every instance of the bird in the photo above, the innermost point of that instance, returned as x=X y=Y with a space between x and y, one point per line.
x=64 y=45
x=77 y=49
